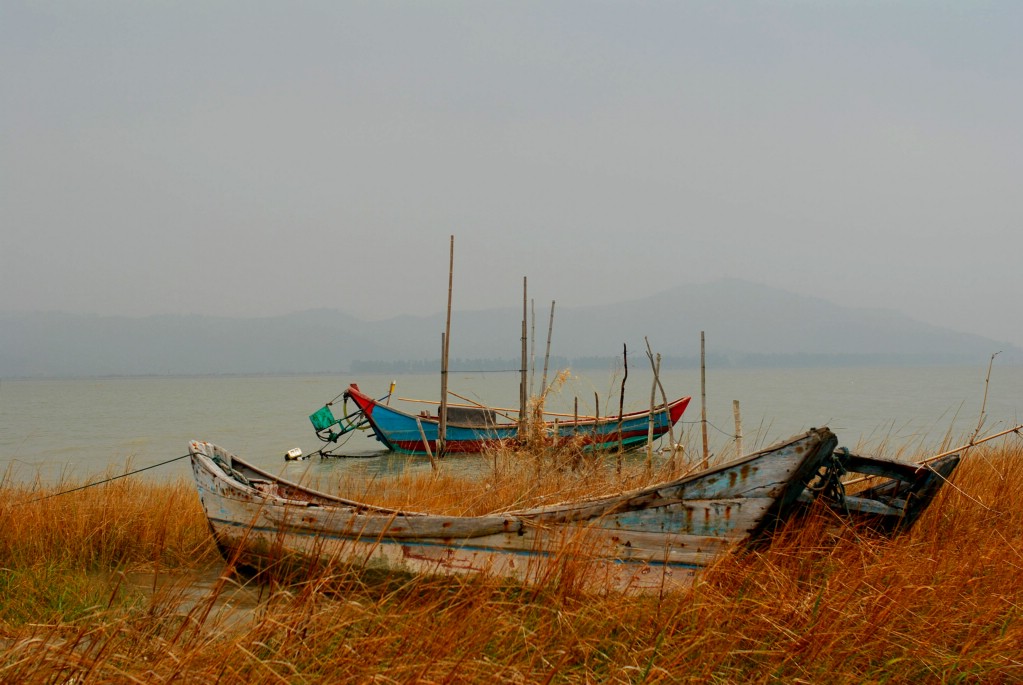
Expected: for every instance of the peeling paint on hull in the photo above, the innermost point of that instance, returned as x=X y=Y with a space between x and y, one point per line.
x=650 y=539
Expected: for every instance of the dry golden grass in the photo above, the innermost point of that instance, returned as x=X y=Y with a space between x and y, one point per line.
x=822 y=603
x=57 y=553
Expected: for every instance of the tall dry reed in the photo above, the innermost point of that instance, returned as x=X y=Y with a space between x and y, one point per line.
x=823 y=602
x=57 y=551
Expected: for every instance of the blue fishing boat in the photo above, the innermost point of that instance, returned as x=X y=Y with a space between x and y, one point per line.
x=472 y=429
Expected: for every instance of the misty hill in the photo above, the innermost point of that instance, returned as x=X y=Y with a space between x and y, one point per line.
x=746 y=324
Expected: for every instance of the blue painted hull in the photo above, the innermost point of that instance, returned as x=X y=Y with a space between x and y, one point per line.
x=405 y=433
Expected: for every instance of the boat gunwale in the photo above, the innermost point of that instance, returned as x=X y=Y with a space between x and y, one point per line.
x=600 y=421
x=207 y=462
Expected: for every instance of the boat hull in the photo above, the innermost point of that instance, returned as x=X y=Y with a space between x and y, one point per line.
x=651 y=539
x=412 y=434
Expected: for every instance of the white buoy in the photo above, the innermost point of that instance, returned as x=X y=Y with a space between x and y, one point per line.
x=293 y=454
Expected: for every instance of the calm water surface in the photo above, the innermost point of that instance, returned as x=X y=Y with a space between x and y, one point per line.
x=86 y=428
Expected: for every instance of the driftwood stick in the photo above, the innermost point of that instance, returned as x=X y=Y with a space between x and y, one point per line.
x=426 y=443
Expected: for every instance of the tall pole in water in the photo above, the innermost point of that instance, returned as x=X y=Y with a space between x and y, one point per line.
x=703 y=397
x=547 y=355
x=525 y=363
x=442 y=427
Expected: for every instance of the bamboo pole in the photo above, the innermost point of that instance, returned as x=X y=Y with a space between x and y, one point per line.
x=983 y=404
x=547 y=355
x=442 y=413
x=973 y=438
x=738 y=428
x=532 y=345
x=522 y=382
x=650 y=419
x=962 y=448
x=664 y=398
x=703 y=399
x=970 y=444
x=445 y=345
x=621 y=404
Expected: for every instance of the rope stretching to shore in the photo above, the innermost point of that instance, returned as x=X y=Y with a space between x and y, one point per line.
x=107 y=480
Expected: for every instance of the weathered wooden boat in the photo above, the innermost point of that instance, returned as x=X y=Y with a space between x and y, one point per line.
x=472 y=429
x=892 y=494
x=653 y=538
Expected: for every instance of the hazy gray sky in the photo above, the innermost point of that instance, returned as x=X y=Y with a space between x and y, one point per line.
x=256 y=158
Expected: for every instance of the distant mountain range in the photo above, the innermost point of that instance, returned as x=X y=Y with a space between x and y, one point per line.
x=746 y=324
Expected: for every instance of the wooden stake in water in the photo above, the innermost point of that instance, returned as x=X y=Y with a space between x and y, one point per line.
x=650 y=419
x=703 y=399
x=547 y=355
x=621 y=404
x=532 y=345
x=525 y=362
x=442 y=413
x=445 y=346
x=426 y=443
x=664 y=398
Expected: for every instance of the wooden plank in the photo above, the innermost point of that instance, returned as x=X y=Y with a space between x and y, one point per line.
x=860 y=505
x=885 y=468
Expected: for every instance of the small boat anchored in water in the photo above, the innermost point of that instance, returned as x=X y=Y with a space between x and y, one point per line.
x=474 y=428
x=653 y=538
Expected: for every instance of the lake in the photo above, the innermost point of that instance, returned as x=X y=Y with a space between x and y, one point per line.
x=81 y=429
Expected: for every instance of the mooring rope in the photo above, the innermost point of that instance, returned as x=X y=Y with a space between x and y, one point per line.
x=107 y=480
x=698 y=422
